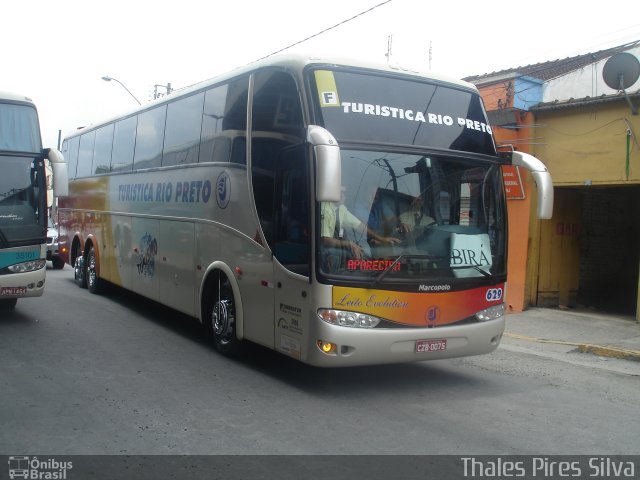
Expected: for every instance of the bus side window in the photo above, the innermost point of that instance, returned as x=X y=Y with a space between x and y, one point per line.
x=150 y=138
x=182 y=131
x=124 y=142
x=70 y=152
x=292 y=243
x=264 y=153
x=85 y=154
x=276 y=125
x=102 y=149
x=239 y=151
x=224 y=119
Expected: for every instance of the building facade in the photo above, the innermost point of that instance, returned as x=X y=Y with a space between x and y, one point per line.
x=588 y=254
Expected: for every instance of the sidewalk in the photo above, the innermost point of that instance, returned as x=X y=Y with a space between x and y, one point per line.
x=605 y=335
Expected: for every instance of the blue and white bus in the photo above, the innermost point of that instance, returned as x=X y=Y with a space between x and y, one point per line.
x=23 y=199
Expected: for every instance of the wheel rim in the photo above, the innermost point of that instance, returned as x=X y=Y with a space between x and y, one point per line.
x=78 y=269
x=223 y=320
x=91 y=268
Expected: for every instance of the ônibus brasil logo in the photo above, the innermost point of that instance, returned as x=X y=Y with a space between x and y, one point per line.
x=36 y=469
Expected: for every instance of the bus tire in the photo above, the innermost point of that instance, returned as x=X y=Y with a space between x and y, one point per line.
x=8 y=303
x=78 y=272
x=220 y=315
x=94 y=284
x=58 y=263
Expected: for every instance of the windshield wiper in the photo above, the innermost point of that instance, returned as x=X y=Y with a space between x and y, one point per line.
x=382 y=274
x=475 y=267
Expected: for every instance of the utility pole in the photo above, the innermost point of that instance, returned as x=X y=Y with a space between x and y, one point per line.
x=389 y=43
x=157 y=94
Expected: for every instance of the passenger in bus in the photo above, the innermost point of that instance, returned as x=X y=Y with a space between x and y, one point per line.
x=340 y=230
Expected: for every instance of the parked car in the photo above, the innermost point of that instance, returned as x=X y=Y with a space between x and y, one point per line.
x=52 y=246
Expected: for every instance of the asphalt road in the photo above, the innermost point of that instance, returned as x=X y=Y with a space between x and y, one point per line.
x=117 y=374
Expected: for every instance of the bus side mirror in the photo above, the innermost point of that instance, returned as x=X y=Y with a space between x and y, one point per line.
x=328 y=164
x=542 y=177
x=60 y=175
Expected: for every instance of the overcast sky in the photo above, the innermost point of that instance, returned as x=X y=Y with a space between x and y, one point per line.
x=57 y=51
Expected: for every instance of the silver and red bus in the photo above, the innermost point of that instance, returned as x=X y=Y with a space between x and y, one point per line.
x=340 y=213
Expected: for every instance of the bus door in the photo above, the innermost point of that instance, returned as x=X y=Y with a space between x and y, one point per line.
x=292 y=252
x=280 y=188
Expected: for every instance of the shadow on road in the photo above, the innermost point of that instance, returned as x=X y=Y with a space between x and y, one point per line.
x=341 y=381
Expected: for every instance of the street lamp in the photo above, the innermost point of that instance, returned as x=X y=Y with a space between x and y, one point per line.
x=107 y=78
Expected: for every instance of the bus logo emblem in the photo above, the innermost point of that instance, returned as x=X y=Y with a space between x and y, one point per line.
x=433 y=313
x=223 y=190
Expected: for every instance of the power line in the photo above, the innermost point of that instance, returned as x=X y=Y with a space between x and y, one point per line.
x=325 y=30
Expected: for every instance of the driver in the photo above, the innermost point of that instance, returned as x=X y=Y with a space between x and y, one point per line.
x=336 y=218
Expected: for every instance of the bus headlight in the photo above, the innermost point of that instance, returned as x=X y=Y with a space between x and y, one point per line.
x=490 y=313
x=347 y=319
x=28 y=266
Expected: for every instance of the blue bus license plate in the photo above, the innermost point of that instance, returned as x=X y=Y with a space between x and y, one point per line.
x=434 y=345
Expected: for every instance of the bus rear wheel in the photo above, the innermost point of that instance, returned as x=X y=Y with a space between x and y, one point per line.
x=220 y=316
x=94 y=283
x=79 y=273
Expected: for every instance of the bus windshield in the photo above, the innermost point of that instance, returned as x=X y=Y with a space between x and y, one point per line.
x=21 y=218
x=410 y=217
x=19 y=128
x=383 y=109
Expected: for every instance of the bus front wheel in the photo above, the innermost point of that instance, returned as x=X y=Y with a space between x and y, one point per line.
x=8 y=303
x=220 y=316
x=58 y=263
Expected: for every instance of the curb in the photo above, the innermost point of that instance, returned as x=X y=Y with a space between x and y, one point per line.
x=599 y=350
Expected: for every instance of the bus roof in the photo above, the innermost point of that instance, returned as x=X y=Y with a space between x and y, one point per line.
x=14 y=97
x=296 y=62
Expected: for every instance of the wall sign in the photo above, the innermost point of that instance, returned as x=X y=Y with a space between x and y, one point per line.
x=513 y=187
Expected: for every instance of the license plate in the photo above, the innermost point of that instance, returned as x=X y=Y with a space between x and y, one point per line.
x=434 y=345
x=13 y=290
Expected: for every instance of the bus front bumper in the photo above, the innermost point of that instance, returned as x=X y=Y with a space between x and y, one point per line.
x=21 y=285
x=361 y=346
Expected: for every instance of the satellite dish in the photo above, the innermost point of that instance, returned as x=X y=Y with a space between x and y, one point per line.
x=621 y=71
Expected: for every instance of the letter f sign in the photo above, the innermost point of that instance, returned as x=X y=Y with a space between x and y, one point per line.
x=329 y=98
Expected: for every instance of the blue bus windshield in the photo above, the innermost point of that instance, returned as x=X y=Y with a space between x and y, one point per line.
x=19 y=128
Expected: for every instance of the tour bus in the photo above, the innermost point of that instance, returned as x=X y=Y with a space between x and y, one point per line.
x=23 y=199
x=338 y=212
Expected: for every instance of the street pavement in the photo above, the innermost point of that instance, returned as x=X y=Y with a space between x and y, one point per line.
x=589 y=332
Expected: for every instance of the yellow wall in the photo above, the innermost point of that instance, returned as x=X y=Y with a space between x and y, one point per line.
x=583 y=147
x=559 y=256
x=589 y=144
